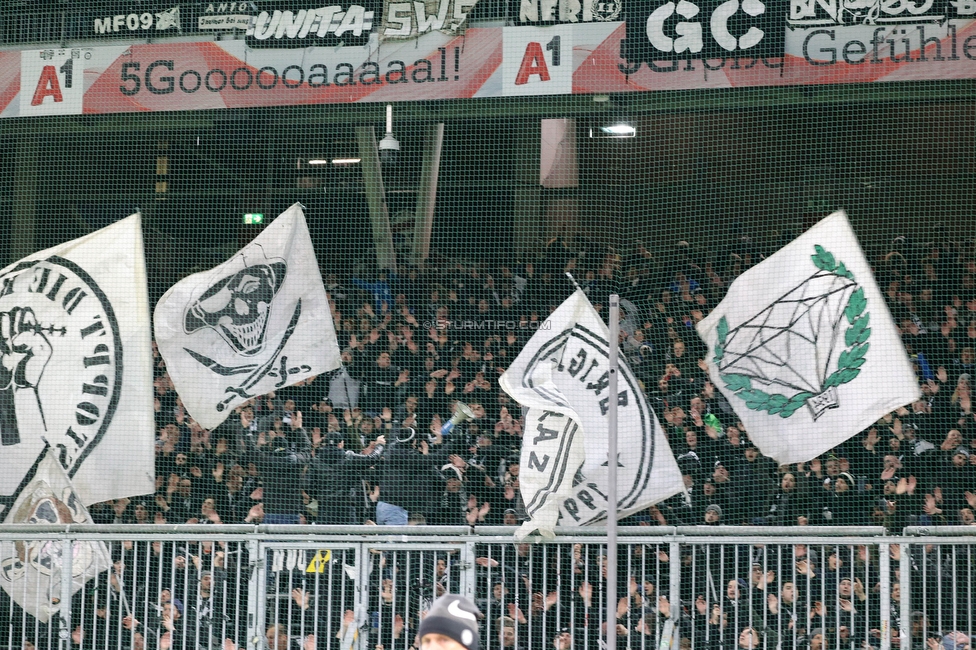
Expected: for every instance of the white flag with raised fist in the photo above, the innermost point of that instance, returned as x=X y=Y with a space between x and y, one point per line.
x=76 y=366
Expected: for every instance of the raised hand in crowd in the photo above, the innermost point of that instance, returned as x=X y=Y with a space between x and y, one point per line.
x=516 y=613
x=816 y=611
x=718 y=616
x=255 y=515
x=816 y=467
x=120 y=505
x=586 y=593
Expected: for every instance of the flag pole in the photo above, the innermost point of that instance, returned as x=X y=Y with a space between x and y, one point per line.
x=611 y=588
x=572 y=279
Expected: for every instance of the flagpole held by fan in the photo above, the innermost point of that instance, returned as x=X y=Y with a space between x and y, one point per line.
x=613 y=347
x=573 y=280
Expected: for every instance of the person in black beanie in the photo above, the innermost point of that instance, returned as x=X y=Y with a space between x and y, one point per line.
x=451 y=624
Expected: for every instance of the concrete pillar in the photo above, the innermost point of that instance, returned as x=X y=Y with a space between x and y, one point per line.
x=562 y=218
x=559 y=166
x=427 y=193
x=560 y=171
x=379 y=214
x=25 y=198
x=527 y=190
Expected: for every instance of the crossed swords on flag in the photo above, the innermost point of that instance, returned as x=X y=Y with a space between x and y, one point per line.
x=258 y=371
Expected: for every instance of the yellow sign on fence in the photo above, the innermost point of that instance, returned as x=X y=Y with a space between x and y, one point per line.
x=319 y=562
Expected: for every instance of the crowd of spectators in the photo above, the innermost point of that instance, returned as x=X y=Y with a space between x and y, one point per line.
x=372 y=443
x=415 y=345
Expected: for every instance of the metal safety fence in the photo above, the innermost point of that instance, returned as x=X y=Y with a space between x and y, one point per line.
x=367 y=588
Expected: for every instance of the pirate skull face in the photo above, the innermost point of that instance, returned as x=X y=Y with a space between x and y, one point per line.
x=47 y=508
x=237 y=307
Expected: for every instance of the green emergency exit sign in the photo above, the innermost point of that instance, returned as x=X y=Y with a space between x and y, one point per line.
x=253 y=218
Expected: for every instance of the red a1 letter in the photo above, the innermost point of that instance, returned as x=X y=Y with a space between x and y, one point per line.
x=48 y=86
x=533 y=62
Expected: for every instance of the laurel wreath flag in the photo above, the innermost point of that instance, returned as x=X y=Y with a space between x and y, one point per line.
x=814 y=346
x=848 y=365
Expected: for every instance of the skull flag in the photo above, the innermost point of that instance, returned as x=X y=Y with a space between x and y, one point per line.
x=257 y=323
x=33 y=571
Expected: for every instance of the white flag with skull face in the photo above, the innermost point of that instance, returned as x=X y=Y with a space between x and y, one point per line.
x=257 y=323
x=804 y=348
x=76 y=366
x=33 y=571
x=562 y=376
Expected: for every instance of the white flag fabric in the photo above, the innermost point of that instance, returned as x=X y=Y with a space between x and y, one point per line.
x=562 y=376
x=256 y=323
x=76 y=370
x=804 y=348
x=32 y=571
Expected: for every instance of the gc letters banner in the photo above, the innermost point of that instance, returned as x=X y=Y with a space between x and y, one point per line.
x=703 y=29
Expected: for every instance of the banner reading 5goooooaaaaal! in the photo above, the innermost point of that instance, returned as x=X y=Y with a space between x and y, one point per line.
x=290 y=54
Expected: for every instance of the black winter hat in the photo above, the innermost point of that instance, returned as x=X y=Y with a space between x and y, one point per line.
x=455 y=617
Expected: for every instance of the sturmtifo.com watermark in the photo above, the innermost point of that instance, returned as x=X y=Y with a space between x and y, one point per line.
x=488 y=324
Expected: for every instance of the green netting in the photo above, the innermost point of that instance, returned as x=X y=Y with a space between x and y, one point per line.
x=441 y=261
x=698 y=194
x=711 y=185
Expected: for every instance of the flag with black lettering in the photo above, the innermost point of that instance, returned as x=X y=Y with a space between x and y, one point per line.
x=804 y=348
x=562 y=376
x=76 y=366
x=257 y=323
x=33 y=571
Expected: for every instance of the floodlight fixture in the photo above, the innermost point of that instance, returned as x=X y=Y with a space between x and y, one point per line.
x=617 y=129
x=389 y=146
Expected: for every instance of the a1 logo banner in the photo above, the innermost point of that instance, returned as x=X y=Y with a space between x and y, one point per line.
x=537 y=60
x=52 y=81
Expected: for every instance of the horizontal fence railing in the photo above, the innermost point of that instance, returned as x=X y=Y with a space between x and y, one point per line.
x=359 y=588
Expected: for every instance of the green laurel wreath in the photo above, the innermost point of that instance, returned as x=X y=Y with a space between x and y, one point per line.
x=848 y=364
